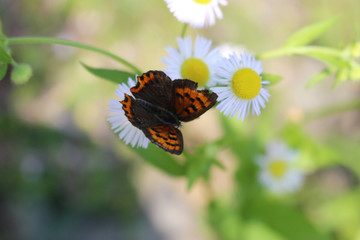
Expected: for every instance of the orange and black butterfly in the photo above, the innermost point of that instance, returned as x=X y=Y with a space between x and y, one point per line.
x=160 y=105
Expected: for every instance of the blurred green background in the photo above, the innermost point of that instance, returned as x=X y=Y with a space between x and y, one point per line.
x=65 y=175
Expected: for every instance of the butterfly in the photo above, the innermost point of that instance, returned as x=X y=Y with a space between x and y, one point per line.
x=160 y=105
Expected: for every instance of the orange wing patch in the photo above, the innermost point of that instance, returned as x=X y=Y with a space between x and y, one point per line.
x=191 y=103
x=142 y=81
x=127 y=102
x=168 y=138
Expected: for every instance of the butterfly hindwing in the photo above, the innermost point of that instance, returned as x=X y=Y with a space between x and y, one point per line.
x=136 y=114
x=190 y=103
x=166 y=137
x=154 y=87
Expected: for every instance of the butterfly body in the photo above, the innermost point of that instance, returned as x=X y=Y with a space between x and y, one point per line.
x=160 y=105
x=163 y=115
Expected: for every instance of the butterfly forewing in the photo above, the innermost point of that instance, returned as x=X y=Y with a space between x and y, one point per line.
x=168 y=138
x=154 y=87
x=189 y=103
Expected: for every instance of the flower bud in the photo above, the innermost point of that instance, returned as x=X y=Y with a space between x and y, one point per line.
x=21 y=73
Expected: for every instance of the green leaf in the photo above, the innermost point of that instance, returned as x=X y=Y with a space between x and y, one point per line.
x=3 y=70
x=341 y=76
x=4 y=56
x=318 y=77
x=355 y=72
x=219 y=165
x=289 y=222
x=310 y=33
x=162 y=160
x=319 y=155
x=199 y=163
x=112 y=75
x=331 y=60
x=333 y=57
x=272 y=78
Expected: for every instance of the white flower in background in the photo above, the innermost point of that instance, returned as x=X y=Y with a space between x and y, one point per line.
x=197 y=64
x=241 y=86
x=277 y=171
x=197 y=13
x=120 y=123
x=227 y=49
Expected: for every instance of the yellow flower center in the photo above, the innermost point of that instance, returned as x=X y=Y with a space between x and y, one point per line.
x=196 y=70
x=202 y=1
x=246 y=83
x=277 y=168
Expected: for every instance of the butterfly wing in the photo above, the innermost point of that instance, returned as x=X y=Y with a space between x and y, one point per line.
x=190 y=103
x=166 y=137
x=137 y=115
x=154 y=87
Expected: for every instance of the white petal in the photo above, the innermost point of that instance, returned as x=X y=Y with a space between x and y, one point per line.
x=197 y=15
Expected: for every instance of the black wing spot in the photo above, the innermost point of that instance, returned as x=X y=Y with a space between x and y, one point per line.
x=187 y=95
x=173 y=134
x=155 y=130
x=194 y=108
x=201 y=102
x=174 y=145
x=179 y=95
x=159 y=136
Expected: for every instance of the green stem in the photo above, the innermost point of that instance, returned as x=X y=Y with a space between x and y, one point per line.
x=305 y=50
x=39 y=40
x=332 y=110
x=183 y=31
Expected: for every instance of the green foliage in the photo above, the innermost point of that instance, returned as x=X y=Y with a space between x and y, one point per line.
x=284 y=219
x=275 y=219
x=319 y=155
x=318 y=77
x=310 y=33
x=225 y=221
x=3 y=70
x=339 y=214
x=272 y=78
x=112 y=75
x=162 y=160
x=342 y=63
x=44 y=168
x=199 y=163
x=5 y=58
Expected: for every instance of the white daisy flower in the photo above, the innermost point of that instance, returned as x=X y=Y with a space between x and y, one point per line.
x=197 y=64
x=197 y=13
x=277 y=169
x=241 y=86
x=120 y=123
